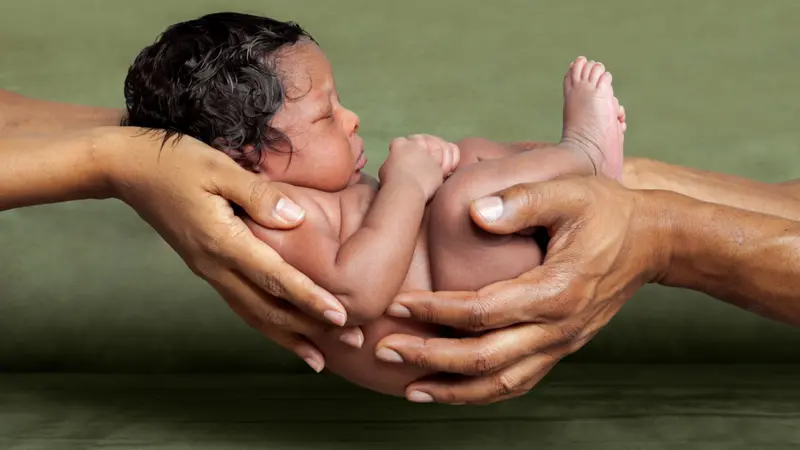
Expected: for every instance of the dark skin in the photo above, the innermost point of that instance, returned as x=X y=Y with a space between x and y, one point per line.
x=90 y=157
x=365 y=244
x=665 y=224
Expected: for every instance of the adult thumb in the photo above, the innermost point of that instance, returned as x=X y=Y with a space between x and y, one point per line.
x=524 y=206
x=260 y=198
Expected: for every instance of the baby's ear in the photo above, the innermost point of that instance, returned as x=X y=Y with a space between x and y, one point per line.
x=247 y=156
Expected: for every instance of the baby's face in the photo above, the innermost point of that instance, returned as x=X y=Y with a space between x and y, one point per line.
x=328 y=152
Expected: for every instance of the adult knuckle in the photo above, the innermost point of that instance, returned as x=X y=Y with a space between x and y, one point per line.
x=447 y=395
x=506 y=384
x=479 y=314
x=427 y=311
x=273 y=317
x=484 y=362
x=271 y=283
x=260 y=192
x=214 y=243
x=421 y=360
x=562 y=303
x=204 y=269
x=570 y=332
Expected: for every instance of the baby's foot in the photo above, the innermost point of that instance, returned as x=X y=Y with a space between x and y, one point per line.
x=594 y=122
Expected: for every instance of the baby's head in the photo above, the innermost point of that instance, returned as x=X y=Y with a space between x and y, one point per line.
x=260 y=90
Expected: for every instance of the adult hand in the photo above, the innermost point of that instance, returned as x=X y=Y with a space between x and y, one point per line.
x=183 y=191
x=605 y=244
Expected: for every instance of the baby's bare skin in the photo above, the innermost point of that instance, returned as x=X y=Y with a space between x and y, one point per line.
x=366 y=244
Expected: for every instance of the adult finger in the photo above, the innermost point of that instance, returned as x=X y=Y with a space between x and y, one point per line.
x=473 y=355
x=510 y=382
x=297 y=344
x=522 y=206
x=539 y=295
x=262 y=311
x=258 y=196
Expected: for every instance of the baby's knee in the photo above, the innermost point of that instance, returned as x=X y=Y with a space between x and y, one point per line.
x=473 y=150
x=450 y=206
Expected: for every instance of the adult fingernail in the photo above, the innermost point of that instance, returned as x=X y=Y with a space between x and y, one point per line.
x=315 y=364
x=388 y=355
x=398 y=311
x=335 y=316
x=353 y=338
x=419 y=397
x=490 y=208
x=289 y=210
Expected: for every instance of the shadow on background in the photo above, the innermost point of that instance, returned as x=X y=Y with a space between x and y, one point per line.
x=575 y=407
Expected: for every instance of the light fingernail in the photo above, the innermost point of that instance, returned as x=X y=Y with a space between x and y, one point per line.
x=490 y=208
x=289 y=210
x=335 y=317
x=419 y=397
x=314 y=363
x=399 y=311
x=388 y=355
x=352 y=338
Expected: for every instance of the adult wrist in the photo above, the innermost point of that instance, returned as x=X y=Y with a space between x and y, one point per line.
x=118 y=152
x=657 y=219
x=634 y=171
x=107 y=145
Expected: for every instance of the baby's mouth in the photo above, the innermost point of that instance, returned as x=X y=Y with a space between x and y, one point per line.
x=361 y=162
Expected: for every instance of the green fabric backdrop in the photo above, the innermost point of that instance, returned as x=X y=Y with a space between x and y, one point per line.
x=86 y=286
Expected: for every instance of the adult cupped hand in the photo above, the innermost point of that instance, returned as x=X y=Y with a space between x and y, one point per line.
x=605 y=244
x=184 y=190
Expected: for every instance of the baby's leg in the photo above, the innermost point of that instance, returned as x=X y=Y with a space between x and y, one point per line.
x=464 y=257
x=476 y=149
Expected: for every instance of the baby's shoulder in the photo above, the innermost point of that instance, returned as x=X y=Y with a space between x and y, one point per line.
x=318 y=206
x=331 y=210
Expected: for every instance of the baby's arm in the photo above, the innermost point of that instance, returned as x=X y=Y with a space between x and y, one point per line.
x=366 y=269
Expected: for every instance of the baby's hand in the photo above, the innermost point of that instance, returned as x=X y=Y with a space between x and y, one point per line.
x=412 y=160
x=446 y=153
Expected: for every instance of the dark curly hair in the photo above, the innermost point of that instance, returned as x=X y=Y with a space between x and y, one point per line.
x=214 y=79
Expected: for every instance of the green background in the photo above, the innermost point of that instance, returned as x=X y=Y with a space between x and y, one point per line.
x=713 y=84
x=88 y=287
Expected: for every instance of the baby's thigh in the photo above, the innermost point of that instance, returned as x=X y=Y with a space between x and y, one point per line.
x=464 y=257
x=361 y=367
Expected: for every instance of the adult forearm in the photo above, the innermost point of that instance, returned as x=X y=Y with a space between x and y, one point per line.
x=21 y=115
x=37 y=170
x=746 y=258
x=641 y=173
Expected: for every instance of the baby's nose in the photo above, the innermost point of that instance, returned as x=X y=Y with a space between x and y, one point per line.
x=354 y=122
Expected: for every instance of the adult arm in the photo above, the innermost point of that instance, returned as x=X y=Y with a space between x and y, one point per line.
x=183 y=190
x=607 y=242
x=21 y=115
x=779 y=199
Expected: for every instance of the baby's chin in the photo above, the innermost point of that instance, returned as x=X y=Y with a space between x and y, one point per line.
x=355 y=178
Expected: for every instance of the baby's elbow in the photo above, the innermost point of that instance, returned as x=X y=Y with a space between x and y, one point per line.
x=363 y=309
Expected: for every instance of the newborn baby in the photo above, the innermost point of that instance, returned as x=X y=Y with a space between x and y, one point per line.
x=263 y=92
